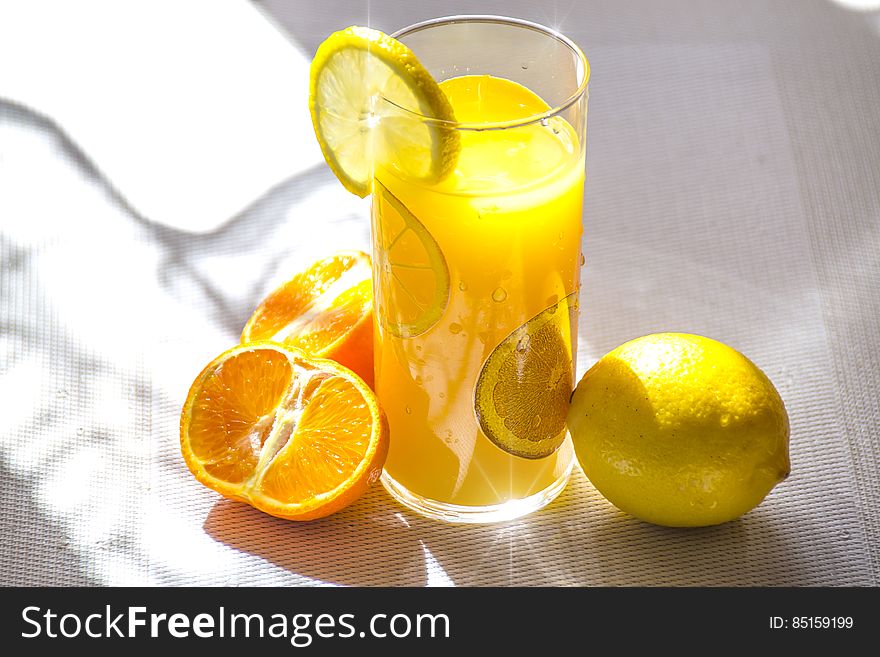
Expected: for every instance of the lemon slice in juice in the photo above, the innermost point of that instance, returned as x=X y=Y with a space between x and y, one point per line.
x=521 y=396
x=368 y=97
x=412 y=289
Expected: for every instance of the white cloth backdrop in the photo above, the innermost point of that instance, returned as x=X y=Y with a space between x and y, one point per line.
x=733 y=190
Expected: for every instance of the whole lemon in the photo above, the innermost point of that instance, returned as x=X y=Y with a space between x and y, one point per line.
x=679 y=430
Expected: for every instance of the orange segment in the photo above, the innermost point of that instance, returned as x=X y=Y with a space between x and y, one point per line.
x=293 y=436
x=325 y=310
x=327 y=325
x=228 y=425
x=311 y=464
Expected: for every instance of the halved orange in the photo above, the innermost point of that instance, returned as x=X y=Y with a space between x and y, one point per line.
x=326 y=311
x=293 y=436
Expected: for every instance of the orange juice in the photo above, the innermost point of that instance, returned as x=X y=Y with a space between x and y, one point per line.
x=476 y=283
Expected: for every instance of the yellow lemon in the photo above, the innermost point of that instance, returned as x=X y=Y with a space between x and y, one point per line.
x=680 y=430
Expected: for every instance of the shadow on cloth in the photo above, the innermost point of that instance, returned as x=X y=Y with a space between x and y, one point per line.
x=582 y=540
x=331 y=549
x=578 y=540
x=38 y=552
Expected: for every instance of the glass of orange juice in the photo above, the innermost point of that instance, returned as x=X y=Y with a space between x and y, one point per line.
x=476 y=276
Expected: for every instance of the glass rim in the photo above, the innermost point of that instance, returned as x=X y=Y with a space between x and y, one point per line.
x=583 y=62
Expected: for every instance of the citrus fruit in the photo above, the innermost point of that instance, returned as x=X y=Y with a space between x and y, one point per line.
x=413 y=280
x=295 y=437
x=326 y=310
x=522 y=393
x=368 y=98
x=680 y=430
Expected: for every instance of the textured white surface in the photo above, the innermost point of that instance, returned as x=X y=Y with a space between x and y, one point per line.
x=733 y=190
x=190 y=109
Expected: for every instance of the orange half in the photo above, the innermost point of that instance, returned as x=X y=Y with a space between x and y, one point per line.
x=326 y=311
x=295 y=437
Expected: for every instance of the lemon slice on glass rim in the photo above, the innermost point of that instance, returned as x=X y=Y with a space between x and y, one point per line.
x=368 y=98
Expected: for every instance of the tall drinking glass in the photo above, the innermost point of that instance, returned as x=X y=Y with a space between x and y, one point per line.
x=476 y=277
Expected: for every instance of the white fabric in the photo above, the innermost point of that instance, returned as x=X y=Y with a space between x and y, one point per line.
x=732 y=191
x=191 y=109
